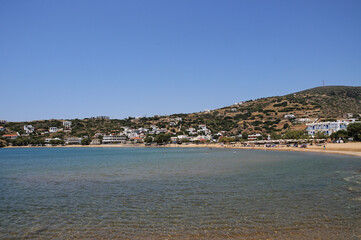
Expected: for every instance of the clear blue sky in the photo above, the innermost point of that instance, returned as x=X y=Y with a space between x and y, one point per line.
x=76 y=59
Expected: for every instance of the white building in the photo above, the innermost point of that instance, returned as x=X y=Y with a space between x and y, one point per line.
x=73 y=140
x=47 y=140
x=203 y=128
x=289 y=116
x=161 y=130
x=328 y=127
x=53 y=129
x=11 y=136
x=28 y=129
x=303 y=120
x=132 y=135
x=348 y=115
x=95 y=141
x=114 y=139
x=239 y=103
x=254 y=137
x=191 y=131
x=67 y=125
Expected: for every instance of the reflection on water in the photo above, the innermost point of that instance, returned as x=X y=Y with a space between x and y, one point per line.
x=133 y=193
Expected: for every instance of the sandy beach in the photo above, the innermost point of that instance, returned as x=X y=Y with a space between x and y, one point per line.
x=353 y=148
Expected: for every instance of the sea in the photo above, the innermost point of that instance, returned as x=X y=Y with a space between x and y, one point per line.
x=178 y=193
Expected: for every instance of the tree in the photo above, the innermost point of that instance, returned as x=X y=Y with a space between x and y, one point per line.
x=244 y=135
x=226 y=139
x=295 y=134
x=275 y=136
x=162 y=138
x=85 y=141
x=321 y=135
x=148 y=139
x=285 y=126
x=354 y=131
x=343 y=134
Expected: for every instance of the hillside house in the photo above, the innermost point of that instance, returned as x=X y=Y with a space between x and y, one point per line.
x=28 y=129
x=67 y=126
x=53 y=129
x=348 y=115
x=289 y=116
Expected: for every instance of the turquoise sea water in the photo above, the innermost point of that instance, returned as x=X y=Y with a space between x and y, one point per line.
x=175 y=193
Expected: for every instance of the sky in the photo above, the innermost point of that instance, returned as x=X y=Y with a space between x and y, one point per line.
x=75 y=59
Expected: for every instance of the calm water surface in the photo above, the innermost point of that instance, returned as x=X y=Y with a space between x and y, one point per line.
x=149 y=193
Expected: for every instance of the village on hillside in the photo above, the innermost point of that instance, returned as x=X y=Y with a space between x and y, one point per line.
x=329 y=113
x=313 y=130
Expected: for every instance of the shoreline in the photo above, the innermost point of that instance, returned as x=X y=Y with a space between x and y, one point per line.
x=353 y=149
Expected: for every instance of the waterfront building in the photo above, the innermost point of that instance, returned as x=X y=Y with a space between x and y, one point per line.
x=95 y=141
x=10 y=136
x=73 y=140
x=254 y=137
x=114 y=139
x=328 y=127
x=137 y=140
x=47 y=140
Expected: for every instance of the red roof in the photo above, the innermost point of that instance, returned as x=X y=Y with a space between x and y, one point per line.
x=10 y=135
x=137 y=138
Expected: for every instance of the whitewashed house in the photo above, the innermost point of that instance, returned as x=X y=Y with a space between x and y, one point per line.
x=289 y=116
x=254 y=137
x=29 y=129
x=67 y=126
x=53 y=129
x=328 y=127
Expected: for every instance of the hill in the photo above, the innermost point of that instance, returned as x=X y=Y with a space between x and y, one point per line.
x=275 y=114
